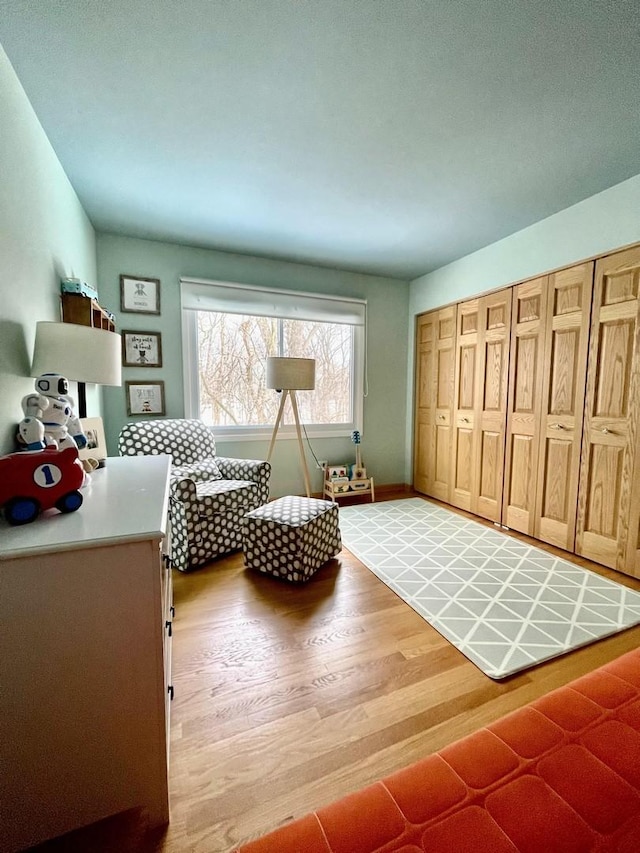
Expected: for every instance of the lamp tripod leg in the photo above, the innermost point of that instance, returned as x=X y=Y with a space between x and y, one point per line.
x=305 y=470
x=277 y=424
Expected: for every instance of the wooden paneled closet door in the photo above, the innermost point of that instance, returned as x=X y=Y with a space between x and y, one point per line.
x=562 y=398
x=608 y=503
x=495 y=335
x=424 y=413
x=464 y=444
x=528 y=332
x=479 y=418
x=436 y=339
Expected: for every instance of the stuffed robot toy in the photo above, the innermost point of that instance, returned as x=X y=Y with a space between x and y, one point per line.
x=49 y=417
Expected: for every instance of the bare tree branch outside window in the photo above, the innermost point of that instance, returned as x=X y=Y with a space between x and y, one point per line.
x=232 y=355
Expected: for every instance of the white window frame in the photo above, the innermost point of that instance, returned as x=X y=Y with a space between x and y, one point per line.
x=225 y=297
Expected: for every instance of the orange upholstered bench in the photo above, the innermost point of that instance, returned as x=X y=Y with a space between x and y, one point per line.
x=561 y=774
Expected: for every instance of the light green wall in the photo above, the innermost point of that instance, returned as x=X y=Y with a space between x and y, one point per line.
x=44 y=235
x=596 y=226
x=600 y=224
x=383 y=447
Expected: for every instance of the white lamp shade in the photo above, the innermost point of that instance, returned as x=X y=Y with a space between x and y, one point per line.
x=79 y=353
x=295 y=374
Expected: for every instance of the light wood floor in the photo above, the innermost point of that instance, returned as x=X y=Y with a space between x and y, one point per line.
x=288 y=697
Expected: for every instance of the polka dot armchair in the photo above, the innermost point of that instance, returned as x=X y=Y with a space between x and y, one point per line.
x=209 y=494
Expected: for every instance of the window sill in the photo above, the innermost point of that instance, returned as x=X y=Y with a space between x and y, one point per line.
x=284 y=433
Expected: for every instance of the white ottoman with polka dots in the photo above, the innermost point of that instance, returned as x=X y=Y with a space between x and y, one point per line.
x=290 y=538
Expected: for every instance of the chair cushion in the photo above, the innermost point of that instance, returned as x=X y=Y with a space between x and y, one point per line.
x=204 y=469
x=225 y=496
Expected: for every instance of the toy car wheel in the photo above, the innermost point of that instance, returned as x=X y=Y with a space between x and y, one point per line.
x=69 y=502
x=21 y=510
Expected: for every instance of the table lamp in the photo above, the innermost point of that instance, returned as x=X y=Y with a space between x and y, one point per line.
x=290 y=375
x=79 y=353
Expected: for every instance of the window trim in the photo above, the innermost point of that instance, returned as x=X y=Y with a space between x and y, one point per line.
x=255 y=432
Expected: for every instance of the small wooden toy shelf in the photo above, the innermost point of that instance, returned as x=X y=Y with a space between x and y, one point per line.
x=351 y=489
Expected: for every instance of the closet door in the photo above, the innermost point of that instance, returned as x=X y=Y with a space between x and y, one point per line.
x=436 y=338
x=482 y=361
x=464 y=445
x=528 y=332
x=424 y=413
x=607 y=526
x=562 y=398
x=495 y=328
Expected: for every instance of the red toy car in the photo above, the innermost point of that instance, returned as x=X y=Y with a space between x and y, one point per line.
x=33 y=481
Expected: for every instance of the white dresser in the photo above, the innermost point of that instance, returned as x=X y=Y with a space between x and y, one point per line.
x=85 y=658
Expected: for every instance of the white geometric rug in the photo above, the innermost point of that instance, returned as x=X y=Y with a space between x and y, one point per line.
x=504 y=604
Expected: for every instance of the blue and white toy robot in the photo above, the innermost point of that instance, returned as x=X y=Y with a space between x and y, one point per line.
x=49 y=417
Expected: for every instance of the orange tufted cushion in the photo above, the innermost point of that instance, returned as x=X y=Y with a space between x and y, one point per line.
x=561 y=774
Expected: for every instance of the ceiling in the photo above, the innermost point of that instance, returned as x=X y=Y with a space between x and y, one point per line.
x=380 y=136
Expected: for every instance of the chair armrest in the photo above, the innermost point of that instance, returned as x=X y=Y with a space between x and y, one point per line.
x=183 y=490
x=244 y=469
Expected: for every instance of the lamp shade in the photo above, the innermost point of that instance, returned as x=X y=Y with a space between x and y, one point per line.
x=295 y=374
x=80 y=353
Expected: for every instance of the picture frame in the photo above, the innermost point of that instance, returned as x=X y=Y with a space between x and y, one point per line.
x=337 y=471
x=96 y=447
x=141 y=349
x=145 y=398
x=139 y=295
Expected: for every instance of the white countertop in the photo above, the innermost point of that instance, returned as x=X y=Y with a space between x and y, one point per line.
x=125 y=500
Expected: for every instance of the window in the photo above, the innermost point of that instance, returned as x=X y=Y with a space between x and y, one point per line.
x=229 y=331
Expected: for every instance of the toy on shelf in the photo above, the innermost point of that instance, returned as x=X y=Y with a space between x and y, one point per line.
x=35 y=481
x=347 y=480
x=49 y=417
x=357 y=472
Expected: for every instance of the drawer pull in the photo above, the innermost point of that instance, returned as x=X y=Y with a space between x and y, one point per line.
x=172 y=610
x=170 y=691
x=168 y=625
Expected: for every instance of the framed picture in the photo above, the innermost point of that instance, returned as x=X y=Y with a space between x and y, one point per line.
x=139 y=295
x=141 y=349
x=334 y=471
x=145 y=398
x=96 y=448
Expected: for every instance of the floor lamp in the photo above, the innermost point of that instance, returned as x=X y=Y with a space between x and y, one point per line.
x=289 y=375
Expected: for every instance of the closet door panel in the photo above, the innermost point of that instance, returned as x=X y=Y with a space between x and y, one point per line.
x=424 y=417
x=464 y=444
x=443 y=402
x=435 y=334
x=528 y=330
x=491 y=412
x=564 y=370
x=609 y=500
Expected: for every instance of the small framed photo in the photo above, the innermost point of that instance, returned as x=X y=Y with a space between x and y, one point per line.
x=96 y=447
x=139 y=295
x=145 y=398
x=141 y=349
